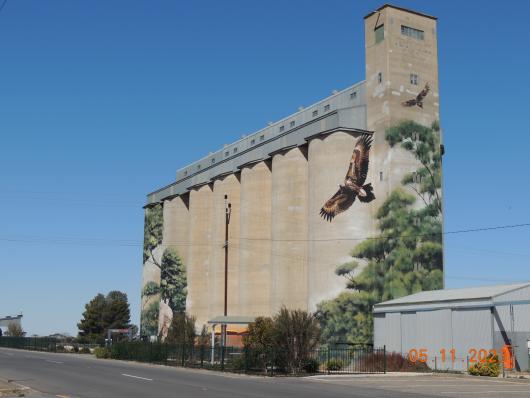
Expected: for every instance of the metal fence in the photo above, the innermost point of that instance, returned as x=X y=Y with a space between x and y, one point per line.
x=271 y=362
x=44 y=344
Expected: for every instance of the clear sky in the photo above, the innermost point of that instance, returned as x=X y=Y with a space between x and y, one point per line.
x=101 y=102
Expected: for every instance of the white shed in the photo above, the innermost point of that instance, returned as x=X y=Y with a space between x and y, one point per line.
x=454 y=327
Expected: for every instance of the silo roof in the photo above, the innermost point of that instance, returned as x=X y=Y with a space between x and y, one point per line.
x=452 y=295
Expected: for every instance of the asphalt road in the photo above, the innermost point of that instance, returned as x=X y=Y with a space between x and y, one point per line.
x=73 y=375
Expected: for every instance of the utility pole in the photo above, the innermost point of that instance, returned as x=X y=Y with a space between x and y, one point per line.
x=228 y=210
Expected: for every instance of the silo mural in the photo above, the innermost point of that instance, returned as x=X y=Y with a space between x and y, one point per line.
x=334 y=208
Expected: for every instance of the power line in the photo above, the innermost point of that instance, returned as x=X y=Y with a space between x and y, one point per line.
x=209 y=242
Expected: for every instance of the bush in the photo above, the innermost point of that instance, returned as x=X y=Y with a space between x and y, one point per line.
x=102 y=352
x=489 y=368
x=334 y=365
x=59 y=348
x=84 y=350
x=395 y=362
x=311 y=365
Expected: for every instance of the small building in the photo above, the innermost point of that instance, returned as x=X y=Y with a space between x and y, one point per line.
x=7 y=320
x=452 y=328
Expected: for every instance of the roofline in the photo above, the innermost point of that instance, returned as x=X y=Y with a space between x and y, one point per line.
x=401 y=9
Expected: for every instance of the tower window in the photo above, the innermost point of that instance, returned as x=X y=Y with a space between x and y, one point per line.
x=235 y=150
x=380 y=78
x=213 y=160
x=282 y=128
x=315 y=113
x=198 y=167
x=185 y=172
x=227 y=153
x=414 y=79
x=261 y=137
x=379 y=34
x=411 y=32
x=380 y=176
x=252 y=142
x=353 y=95
x=292 y=123
x=326 y=108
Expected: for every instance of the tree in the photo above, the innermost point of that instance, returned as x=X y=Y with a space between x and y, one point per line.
x=102 y=313
x=149 y=320
x=116 y=313
x=91 y=326
x=15 y=330
x=153 y=230
x=406 y=257
x=182 y=329
x=173 y=281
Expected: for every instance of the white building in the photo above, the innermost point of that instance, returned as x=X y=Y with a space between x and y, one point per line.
x=470 y=321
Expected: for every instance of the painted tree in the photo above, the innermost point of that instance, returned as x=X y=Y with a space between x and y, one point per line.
x=149 y=319
x=153 y=230
x=173 y=285
x=406 y=257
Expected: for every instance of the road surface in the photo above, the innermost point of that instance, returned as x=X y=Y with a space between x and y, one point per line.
x=74 y=375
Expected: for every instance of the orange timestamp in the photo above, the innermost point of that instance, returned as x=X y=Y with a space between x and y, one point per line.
x=474 y=355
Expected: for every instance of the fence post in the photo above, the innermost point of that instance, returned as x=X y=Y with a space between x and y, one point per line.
x=202 y=355
x=222 y=358
x=327 y=361
x=384 y=359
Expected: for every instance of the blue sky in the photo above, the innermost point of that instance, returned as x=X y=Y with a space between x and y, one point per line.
x=101 y=102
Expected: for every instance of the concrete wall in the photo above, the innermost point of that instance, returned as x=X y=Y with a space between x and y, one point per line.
x=290 y=209
x=176 y=225
x=331 y=242
x=199 y=264
x=255 y=240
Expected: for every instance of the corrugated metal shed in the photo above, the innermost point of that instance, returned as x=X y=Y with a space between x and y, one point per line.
x=467 y=320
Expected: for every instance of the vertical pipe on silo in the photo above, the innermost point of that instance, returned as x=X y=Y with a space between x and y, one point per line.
x=227 y=185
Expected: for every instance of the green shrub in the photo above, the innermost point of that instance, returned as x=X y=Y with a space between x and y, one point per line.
x=84 y=350
x=102 y=352
x=489 y=368
x=334 y=365
x=311 y=365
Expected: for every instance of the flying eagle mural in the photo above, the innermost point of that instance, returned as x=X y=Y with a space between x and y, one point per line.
x=353 y=183
x=419 y=98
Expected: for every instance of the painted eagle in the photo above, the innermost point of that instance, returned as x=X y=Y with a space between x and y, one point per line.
x=353 y=183
x=419 y=98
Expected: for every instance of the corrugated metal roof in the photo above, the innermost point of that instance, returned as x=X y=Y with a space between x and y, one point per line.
x=469 y=293
x=232 y=320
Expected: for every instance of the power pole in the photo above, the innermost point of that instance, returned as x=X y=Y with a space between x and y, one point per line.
x=228 y=210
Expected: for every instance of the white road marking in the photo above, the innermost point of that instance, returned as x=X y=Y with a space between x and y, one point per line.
x=49 y=360
x=136 y=377
x=484 y=392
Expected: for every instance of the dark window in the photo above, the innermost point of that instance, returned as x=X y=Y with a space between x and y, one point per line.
x=234 y=150
x=198 y=167
x=315 y=113
x=282 y=128
x=292 y=123
x=213 y=160
x=380 y=176
x=185 y=172
x=326 y=108
x=353 y=95
x=261 y=137
x=414 y=79
x=411 y=32
x=227 y=153
x=252 y=142
x=379 y=34
x=380 y=78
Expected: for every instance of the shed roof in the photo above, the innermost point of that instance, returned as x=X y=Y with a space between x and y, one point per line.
x=462 y=294
x=232 y=320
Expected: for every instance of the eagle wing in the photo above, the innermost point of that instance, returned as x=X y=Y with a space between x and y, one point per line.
x=338 y=203
x=419 y=98
x=423 y=93
x=360 y=159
